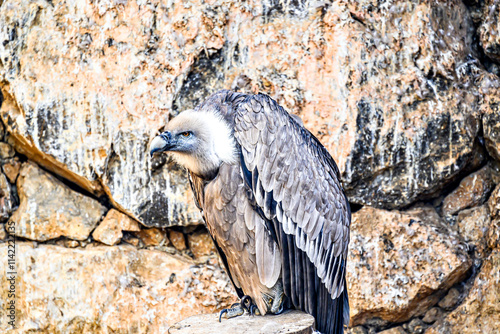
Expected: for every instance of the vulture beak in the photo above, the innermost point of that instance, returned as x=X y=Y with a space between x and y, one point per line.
x=161 y=143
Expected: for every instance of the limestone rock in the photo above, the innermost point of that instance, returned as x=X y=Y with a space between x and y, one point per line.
x=390 y=90
x=473 y=225
x=71 y=243
x=3 y=234
x=6 y=151
x=201 y=244
x=432 y=315
x=109 y=231
x=357 y=330
x=11 y=169
x=399 y=261
x=49 y=209
x=416 y=326
x=104 y=89
x=450 y=300
x=493 y=235
x=472 y=190
x=491 y=118
x=394 y=330
x=488 y=32
x=131 y=240
x=7 y=201
x=381 y=86
x=177 y=239
x=494 y=203
x=151 y=236
x=495 y=171
x=480 y=312
x=292 y=322
x=105 y=289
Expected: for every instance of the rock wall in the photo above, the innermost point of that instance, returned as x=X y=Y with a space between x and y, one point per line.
x=405 y=95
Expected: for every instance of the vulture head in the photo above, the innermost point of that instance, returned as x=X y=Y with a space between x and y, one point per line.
x=199 y=141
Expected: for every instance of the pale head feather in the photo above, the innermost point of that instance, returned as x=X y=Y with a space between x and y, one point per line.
x=215 y=142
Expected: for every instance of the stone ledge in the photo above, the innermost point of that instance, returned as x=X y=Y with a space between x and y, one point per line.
x=290 y=322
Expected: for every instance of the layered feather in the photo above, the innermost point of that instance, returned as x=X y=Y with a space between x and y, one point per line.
x=304 y=200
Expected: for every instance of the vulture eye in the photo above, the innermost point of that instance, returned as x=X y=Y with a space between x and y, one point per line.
x=186 y=134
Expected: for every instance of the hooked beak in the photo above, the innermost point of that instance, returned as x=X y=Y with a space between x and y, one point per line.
x=161 y=143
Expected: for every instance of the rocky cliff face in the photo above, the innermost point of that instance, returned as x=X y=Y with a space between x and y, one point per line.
x=405 y=95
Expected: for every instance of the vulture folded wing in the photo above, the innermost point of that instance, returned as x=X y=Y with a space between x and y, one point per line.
x=232 y=222
x=295 y=187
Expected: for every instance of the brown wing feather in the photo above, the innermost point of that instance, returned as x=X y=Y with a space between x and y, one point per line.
x=238 y=230
x=295 y=183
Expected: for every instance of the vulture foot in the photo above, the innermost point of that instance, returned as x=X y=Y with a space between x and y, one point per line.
x=278 y=304
x=238 y=309
x=276 y=301
x=235 y=310
x=249 y=305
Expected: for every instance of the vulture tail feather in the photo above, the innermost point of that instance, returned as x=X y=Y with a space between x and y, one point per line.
x=333 y=314
x=285 y=267
x=310 y=286
x=293 y=283
x=299 y=276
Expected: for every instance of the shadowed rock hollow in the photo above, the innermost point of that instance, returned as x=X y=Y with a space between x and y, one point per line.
x=404 y=95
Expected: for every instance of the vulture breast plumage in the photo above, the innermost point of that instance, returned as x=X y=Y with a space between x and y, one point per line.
x=276 y=209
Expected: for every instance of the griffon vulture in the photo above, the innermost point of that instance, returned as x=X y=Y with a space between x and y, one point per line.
x=272 y=201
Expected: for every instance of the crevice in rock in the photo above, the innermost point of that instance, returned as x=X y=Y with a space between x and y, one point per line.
x=475 y=9
x=447 y=304
x=357 y=19
x=205 y=77
x=103 y=199
x=355 y=207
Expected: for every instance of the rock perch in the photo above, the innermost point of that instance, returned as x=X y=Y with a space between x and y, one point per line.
x=290 y=322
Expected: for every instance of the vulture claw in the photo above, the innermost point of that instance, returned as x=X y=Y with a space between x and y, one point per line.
x=254 y=310
x=247 y=299
x=221 y=313
x=235 y=310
